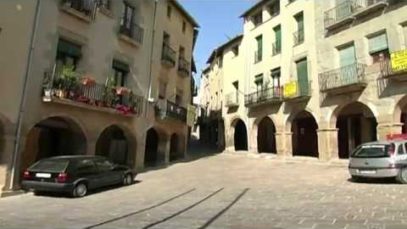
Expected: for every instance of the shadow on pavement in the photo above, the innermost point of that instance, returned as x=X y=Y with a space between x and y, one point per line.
x=140 y=211
x=373 y=181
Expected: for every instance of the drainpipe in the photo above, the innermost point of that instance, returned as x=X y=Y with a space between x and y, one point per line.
x=149 y=99
x=24 y=97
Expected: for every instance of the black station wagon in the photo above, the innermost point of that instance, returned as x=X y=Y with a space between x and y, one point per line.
x=75 y=175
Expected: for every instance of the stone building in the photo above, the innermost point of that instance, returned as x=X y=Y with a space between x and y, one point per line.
x=316 y=77
x=104 y=77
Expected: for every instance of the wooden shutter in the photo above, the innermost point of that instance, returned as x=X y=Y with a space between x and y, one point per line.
x=378 y=43
x=347 y=56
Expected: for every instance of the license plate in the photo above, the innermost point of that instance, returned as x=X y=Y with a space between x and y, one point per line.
x=367 y=171
x=43 y=175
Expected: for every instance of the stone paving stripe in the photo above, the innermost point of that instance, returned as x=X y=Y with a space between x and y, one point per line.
x=183 y=210
x=142 y=210
x=220 y=213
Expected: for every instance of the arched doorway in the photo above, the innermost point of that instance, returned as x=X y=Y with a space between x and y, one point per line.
x=356 y=124
x=240 y=136
x=174 y=148
x=151 y=150
x=113 y=144
x=266 y=139
x=403 y=119
x=304 y=135
x=53 y=136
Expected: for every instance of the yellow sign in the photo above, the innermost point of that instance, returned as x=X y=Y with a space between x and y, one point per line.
x=191 y=114
x=290 y=89
x=399 y=61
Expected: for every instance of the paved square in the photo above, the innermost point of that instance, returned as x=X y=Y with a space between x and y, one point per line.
x=223 y=191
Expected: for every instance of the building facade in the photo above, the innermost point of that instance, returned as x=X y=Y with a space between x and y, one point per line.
x=314 y=78
x=82 y=77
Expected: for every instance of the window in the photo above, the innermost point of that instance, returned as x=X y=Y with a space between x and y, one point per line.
x=259 y=52
x=302 y=76
x=169 y=11
x=181 y=52
x=166 y=39
x=274 y=9
x=184 y=26
x=277 y=44
x=257 y=18
x=404 y=31
x=400 y=150
x=162 y=90
x=178 y=97
x=236 y=85
x=235 y=50
x=126 y=24
x=378 y=47
x=120 y=72
x=258 y=80
x=275 y=75
x=105 y=4
x=347 y=55
x=103 y=165
x=299 y=34
x=85 y=167
x=68 y=54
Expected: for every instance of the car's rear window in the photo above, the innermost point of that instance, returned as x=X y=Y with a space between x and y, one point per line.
x=50 y=165
x=373 y=150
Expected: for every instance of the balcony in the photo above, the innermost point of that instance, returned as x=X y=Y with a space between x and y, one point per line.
x=296 y=91
x=168 y=56
x=81 y=9
x=272 y=95
x=132 y=34
x=298 y=37
x=276 y=48
x=350 y=78
x=184 y=67
x=339 y=15
x=167 y=110
x=258 y=56
x=388 y=71
x=232 y=100
x=86 y=93
x=364 y=7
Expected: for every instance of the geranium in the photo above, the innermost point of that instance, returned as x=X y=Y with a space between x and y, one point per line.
x=122 y=90
x=125 y=110
x=88 y=80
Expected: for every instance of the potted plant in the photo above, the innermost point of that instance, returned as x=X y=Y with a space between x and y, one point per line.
x=68 y=81
x=109 y=92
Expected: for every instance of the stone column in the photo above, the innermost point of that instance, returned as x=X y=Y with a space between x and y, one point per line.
x=140 y=152
x=288 y=144
x=280 y=144
x=91 y=144
x=163 y=154
x=252 y=135
x=328 y=144
x=385 y=128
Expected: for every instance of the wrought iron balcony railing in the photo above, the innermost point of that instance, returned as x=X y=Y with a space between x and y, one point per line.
x=168 y=55
x=267 y=95
x=276 y=48
x=86 y=7
x=365 y=6
x=341 y=77
x=132 y=30
x=184 y=67
x=339 y=13
x=387 y=70
x=83 y=92
x=167 y=109
x=232 y=99
x=298 y=37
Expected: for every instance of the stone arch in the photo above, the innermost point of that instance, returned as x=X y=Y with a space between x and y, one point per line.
x=239 y=134
x=264 y=129
x=400 y=113
x=356 y=124
x=303 y=126
x=117 y=143
x=53 y=136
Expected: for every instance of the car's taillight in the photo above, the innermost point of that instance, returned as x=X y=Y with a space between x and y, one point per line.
x=62 y=177
x=27 y=175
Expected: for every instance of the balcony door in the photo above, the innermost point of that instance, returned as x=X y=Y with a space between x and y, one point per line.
x=302 y=77
x=347 y=60
x=128 y=18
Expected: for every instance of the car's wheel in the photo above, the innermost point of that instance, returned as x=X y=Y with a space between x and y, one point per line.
x=402 y=176
x=128 y=179
x=80 y=190
x=38 y=193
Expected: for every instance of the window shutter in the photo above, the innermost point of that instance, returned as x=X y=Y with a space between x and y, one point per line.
x=121 y=66
x=378 y=43
x=277 y=31
x=69 y=48
x=347 y=56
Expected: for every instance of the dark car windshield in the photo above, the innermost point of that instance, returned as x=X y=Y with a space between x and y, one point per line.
x=373 y=150
x=50 y=165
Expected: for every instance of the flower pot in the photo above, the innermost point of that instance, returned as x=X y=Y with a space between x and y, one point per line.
x=47 y=95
